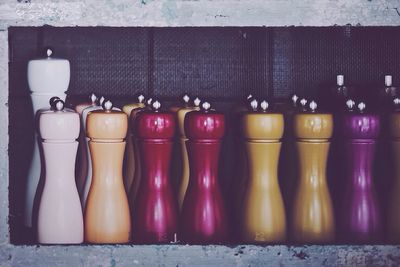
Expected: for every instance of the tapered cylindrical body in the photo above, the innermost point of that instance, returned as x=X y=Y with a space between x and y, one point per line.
x=155 y=209
x=60 y=219
x=360 y=218
x=107 y=216
x=184 y=173
x=263 y=211
x=129 y=157
x=313 y=217
x=47 y=77
x=393 y=219
x=203 y=217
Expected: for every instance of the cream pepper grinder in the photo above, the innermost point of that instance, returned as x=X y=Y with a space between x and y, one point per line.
x=60 y=219
x=82 y=158
x=47 y=77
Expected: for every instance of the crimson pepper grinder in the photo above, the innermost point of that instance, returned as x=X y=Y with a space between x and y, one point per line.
x=155 y=208
x=60 y=219
x=360 y=218
x=203 y=218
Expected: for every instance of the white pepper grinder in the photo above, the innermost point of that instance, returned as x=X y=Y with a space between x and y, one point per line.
x=47 y=77
x=60 y=219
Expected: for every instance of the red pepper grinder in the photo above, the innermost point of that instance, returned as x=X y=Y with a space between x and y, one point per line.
x=155 y=209
x=203 y=213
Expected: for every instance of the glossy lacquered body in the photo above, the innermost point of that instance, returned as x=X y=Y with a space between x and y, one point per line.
x=47 y=77
x=393 y=222
x=203 y=217
x=129 y=157
x=263 y=211
x=60 y=219
x=107 y=215
x=313 y=217
x=185 y=173
x=360 y=218
x=155 y=208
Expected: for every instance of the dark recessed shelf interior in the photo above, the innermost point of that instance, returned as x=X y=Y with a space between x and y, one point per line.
x=222 y=64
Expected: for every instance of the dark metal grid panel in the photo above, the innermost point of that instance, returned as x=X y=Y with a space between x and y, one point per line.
x=109 y=61
x=211 y=62
x=305 y=59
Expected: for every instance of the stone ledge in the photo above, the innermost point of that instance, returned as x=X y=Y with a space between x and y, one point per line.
x=199 y=13
x=185 y=255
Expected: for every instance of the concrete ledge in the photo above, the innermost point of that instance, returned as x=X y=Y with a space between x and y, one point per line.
x=199 y=13
x=174 y=255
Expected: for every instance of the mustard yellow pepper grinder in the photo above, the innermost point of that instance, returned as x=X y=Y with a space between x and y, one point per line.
x=264 y=219
x=184 y=177
x=313 y=218
x=393 y=227
x=129 y=156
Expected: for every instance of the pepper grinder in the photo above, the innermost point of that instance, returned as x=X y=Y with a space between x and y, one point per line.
x=360 y=218
x=60 y=219
x=184 y=180
x=393 y=229
x=107 y=218
x=82 y=160
x=138 y=169
x=263 y=208
x=313 y=218
x=155 y=209
x=88 y=179
x=203 y=217
x=129 y=158
x=47 y=77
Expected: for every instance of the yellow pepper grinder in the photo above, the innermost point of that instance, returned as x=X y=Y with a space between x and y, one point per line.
x=184 y=179
x=129 y=156
x=393 y=227
x=264 y=219
x=313 y=218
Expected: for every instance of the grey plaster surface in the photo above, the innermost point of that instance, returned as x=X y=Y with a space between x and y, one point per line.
x=199 y=12
x=182 y=13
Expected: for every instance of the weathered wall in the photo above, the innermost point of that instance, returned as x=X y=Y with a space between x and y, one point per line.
x=199 y=12
x=181 y=13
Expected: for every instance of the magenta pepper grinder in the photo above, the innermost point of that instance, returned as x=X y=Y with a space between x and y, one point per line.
x=360 y=218
x=155 y=208
x=203 y=218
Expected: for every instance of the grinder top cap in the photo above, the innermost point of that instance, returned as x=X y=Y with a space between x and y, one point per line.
x=204 y=124
x=154 y=123
x=107 y=124
x=360 y=125
x=394 y=120
x=59 y=124
x=262 y=125
x=313 y=125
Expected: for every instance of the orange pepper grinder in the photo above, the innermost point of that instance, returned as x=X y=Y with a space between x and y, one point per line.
x=264 y=219
x=393 y=227
x=313 y=218
x=184 y=179
x=129 y=157
x=107 y=217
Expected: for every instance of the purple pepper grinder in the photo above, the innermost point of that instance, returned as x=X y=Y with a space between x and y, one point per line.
x=360 y=218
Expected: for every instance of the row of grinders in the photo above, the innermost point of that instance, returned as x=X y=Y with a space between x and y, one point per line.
x=116 y=212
